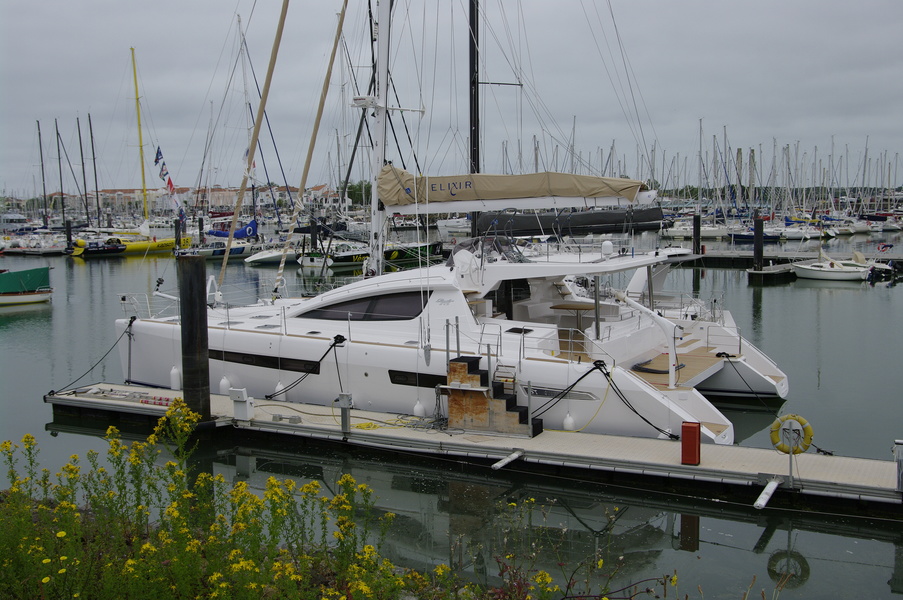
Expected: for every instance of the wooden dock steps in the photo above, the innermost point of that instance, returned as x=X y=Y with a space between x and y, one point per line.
x=475 y=405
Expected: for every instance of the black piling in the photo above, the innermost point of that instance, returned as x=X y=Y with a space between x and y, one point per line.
x=758 y=244
x=195 y=363
x=697 y=234
x=177 y=224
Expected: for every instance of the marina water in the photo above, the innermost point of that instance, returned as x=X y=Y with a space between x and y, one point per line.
x=838 y=342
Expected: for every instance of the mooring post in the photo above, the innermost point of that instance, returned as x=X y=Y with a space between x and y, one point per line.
x=898 y=458
x=697 y=234
x=758 y=244
x=195 y=364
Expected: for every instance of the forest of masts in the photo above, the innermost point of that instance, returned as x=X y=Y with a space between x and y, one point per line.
x=789 y=180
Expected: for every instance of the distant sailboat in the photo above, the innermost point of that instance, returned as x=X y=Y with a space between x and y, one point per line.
x=137 y=243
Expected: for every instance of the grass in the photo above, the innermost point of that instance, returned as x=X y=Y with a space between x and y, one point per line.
x=138 y=527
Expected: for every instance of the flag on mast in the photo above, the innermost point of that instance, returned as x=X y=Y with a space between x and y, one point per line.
x=164 y=175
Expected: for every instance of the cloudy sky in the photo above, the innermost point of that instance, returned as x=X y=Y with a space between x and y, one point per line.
x=813 y=84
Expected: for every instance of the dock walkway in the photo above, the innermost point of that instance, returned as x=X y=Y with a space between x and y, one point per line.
x=851 y=479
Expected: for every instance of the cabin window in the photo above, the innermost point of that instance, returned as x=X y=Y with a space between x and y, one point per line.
x=390 y=307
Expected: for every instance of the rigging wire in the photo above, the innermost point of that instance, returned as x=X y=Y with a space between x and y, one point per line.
x=126 y=331
x=599 y=365
x=336 y=341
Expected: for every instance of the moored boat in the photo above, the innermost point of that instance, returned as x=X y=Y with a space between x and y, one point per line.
x=122 y=246
x=395 y=343
x=28 y=286
x=216 y=249
x=828 y=269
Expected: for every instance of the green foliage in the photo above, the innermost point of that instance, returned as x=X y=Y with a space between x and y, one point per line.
x=359 y=192
x=138 y=526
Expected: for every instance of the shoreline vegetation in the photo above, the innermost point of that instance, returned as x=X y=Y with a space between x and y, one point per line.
x=132 y=524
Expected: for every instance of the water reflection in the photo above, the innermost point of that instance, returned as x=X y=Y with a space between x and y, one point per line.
x=20 y=314
x=458 y=514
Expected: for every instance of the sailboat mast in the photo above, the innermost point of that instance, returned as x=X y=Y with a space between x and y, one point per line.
x=81 y=154
x=140 y=140
x=377 y=210
x=252 y=145
x=94 y=164
x=43 y=182
x=474 y=61
x=59 y=160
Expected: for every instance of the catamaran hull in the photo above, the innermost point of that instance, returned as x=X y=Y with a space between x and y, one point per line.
x=393 y=376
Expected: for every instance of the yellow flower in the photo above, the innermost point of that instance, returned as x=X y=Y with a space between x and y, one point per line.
x=674 y=579
x=542 y=578
x=600 y=563
x=45 y=561
x=45 y=580
x=60 y=534
x=61 y=571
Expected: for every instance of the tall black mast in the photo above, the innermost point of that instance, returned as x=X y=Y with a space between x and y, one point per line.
x=59 y=156
x=474 y=100
x=94 y=161
x=81 y=152
x=46 y=218
x=474 y=87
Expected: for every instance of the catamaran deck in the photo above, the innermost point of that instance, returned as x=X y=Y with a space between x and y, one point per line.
x=844 y=478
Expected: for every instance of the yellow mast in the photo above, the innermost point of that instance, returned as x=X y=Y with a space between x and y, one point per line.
x=140 y=140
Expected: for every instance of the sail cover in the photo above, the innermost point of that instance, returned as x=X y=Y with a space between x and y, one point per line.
x=402 y=192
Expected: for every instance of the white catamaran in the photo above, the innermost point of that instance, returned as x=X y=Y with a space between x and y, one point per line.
x=606 y=365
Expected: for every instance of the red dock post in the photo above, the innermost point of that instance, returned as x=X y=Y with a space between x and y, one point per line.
x=690 y=436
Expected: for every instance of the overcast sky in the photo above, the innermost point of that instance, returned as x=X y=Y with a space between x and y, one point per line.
x=634 y=75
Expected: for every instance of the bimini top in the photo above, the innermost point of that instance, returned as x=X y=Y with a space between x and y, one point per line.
x=404 y=193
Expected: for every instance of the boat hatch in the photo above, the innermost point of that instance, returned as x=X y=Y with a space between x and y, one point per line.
x=519 y=330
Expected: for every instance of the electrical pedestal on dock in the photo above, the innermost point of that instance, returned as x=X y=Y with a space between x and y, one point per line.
x=690 y=443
